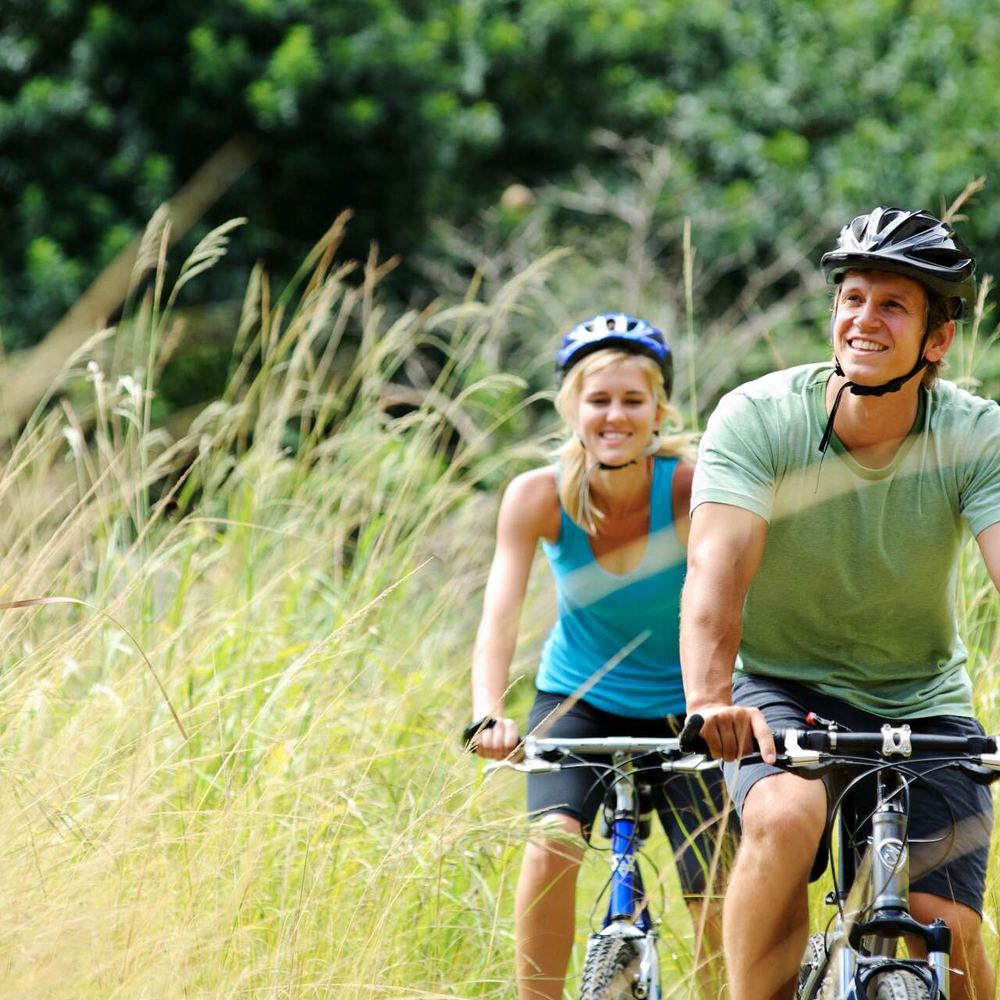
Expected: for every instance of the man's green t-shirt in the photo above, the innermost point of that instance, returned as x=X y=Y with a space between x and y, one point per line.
x=855 y=594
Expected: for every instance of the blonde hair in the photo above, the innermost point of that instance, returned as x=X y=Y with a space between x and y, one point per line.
x=574 y=470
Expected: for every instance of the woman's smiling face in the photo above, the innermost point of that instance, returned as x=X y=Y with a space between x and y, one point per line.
x=617 y=412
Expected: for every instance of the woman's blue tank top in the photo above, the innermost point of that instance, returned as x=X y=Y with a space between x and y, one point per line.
x=616 y=642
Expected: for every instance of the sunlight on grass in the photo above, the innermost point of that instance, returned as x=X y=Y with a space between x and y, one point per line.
x=303 y=567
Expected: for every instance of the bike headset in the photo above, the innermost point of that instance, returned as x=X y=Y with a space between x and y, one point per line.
x=916 y=245
x=617 y=331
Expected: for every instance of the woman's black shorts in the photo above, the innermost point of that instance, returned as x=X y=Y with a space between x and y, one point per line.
x=692 y=808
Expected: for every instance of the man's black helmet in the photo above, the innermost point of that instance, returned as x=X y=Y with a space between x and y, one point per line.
x=914 y=244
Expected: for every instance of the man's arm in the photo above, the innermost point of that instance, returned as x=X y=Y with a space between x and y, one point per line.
x=988 y=541
x=724 y=552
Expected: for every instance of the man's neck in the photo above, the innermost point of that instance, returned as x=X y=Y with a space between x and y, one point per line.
x=872 y=428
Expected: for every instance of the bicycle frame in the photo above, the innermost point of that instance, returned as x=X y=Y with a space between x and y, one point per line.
x=861 y=947
x=628 y=815
x=627 y=914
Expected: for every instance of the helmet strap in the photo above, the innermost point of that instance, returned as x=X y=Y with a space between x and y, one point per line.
x=893 y=385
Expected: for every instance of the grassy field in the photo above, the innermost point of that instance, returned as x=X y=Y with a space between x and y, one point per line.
x=302 y=566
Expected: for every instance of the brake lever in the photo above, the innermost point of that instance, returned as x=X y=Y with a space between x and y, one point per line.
x=690 y=764
x=533 y=765
x=985 y=772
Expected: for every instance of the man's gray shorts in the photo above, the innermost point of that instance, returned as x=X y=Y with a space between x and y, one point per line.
x=953 y=868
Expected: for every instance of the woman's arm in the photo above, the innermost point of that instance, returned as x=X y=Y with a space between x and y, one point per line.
x=529 y=511
x=680 y=489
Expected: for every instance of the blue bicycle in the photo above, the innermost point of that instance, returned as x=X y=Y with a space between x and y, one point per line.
x=622 y=962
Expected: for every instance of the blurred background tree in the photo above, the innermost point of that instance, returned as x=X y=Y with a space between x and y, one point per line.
x=608 y=122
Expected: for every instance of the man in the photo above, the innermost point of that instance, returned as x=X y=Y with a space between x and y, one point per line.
x=828 y=508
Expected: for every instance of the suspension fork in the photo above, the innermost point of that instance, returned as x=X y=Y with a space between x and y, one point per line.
x=889 y=877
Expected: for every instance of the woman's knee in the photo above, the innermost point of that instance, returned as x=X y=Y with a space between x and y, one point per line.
x=556 y=844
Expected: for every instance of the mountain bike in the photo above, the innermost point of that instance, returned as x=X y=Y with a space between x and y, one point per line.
x=855 y=959
x=622 y=962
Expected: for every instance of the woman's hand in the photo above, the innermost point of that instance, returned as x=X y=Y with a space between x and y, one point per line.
x=499 y=741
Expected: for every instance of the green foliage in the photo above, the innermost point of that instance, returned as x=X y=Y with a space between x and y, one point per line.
x=775 y=112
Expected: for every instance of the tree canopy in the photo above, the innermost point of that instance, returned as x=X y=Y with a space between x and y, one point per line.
x=774 y=111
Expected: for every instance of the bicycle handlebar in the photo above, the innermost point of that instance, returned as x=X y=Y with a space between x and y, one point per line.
x=890 y=741
x=795 y=747
x=546 y=753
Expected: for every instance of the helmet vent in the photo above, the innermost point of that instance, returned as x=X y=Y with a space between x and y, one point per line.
x=913 y=226
x=940 y=258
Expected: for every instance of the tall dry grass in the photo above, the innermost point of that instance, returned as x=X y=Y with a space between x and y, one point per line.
x=302 y=567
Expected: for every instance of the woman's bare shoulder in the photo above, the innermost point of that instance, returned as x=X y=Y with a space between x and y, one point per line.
x=532 y=498
x=537 y=484
x=683 y=478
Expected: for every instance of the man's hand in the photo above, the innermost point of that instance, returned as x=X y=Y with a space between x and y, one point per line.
x=729 y=731
x=499 y=741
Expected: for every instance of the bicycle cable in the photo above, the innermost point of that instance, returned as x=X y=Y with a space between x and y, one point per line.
x=906 y=772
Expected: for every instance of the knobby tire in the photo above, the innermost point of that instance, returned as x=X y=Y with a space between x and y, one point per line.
x=814 y=957
x=609 y=972
x=901 y=986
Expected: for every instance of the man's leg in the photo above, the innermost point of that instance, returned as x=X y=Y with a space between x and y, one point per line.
x=948 y=863
x=766 y=920
x=968 y=952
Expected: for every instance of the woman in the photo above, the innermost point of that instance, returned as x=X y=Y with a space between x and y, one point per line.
x=612 y=517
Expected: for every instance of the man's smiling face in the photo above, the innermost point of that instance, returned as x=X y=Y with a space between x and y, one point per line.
x=879 y=325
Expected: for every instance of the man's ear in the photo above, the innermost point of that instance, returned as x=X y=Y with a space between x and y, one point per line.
x=940 y=341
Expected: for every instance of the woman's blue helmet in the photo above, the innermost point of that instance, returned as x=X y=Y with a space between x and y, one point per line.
x=615 y=330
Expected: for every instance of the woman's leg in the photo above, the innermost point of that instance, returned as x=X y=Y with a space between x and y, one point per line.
x=545 y=909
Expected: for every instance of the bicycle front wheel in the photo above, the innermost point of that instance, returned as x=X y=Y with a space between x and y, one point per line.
x=814 y=958
x=610 y=970
x=901 y=986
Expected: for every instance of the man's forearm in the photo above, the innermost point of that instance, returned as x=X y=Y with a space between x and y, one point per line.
x=711 y=621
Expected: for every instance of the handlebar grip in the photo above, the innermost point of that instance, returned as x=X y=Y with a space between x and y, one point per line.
x=691 y=743
x=688 y=736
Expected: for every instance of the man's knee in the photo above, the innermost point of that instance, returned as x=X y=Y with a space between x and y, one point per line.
x=965 y=923
x=785 y=815
x=968 y=950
